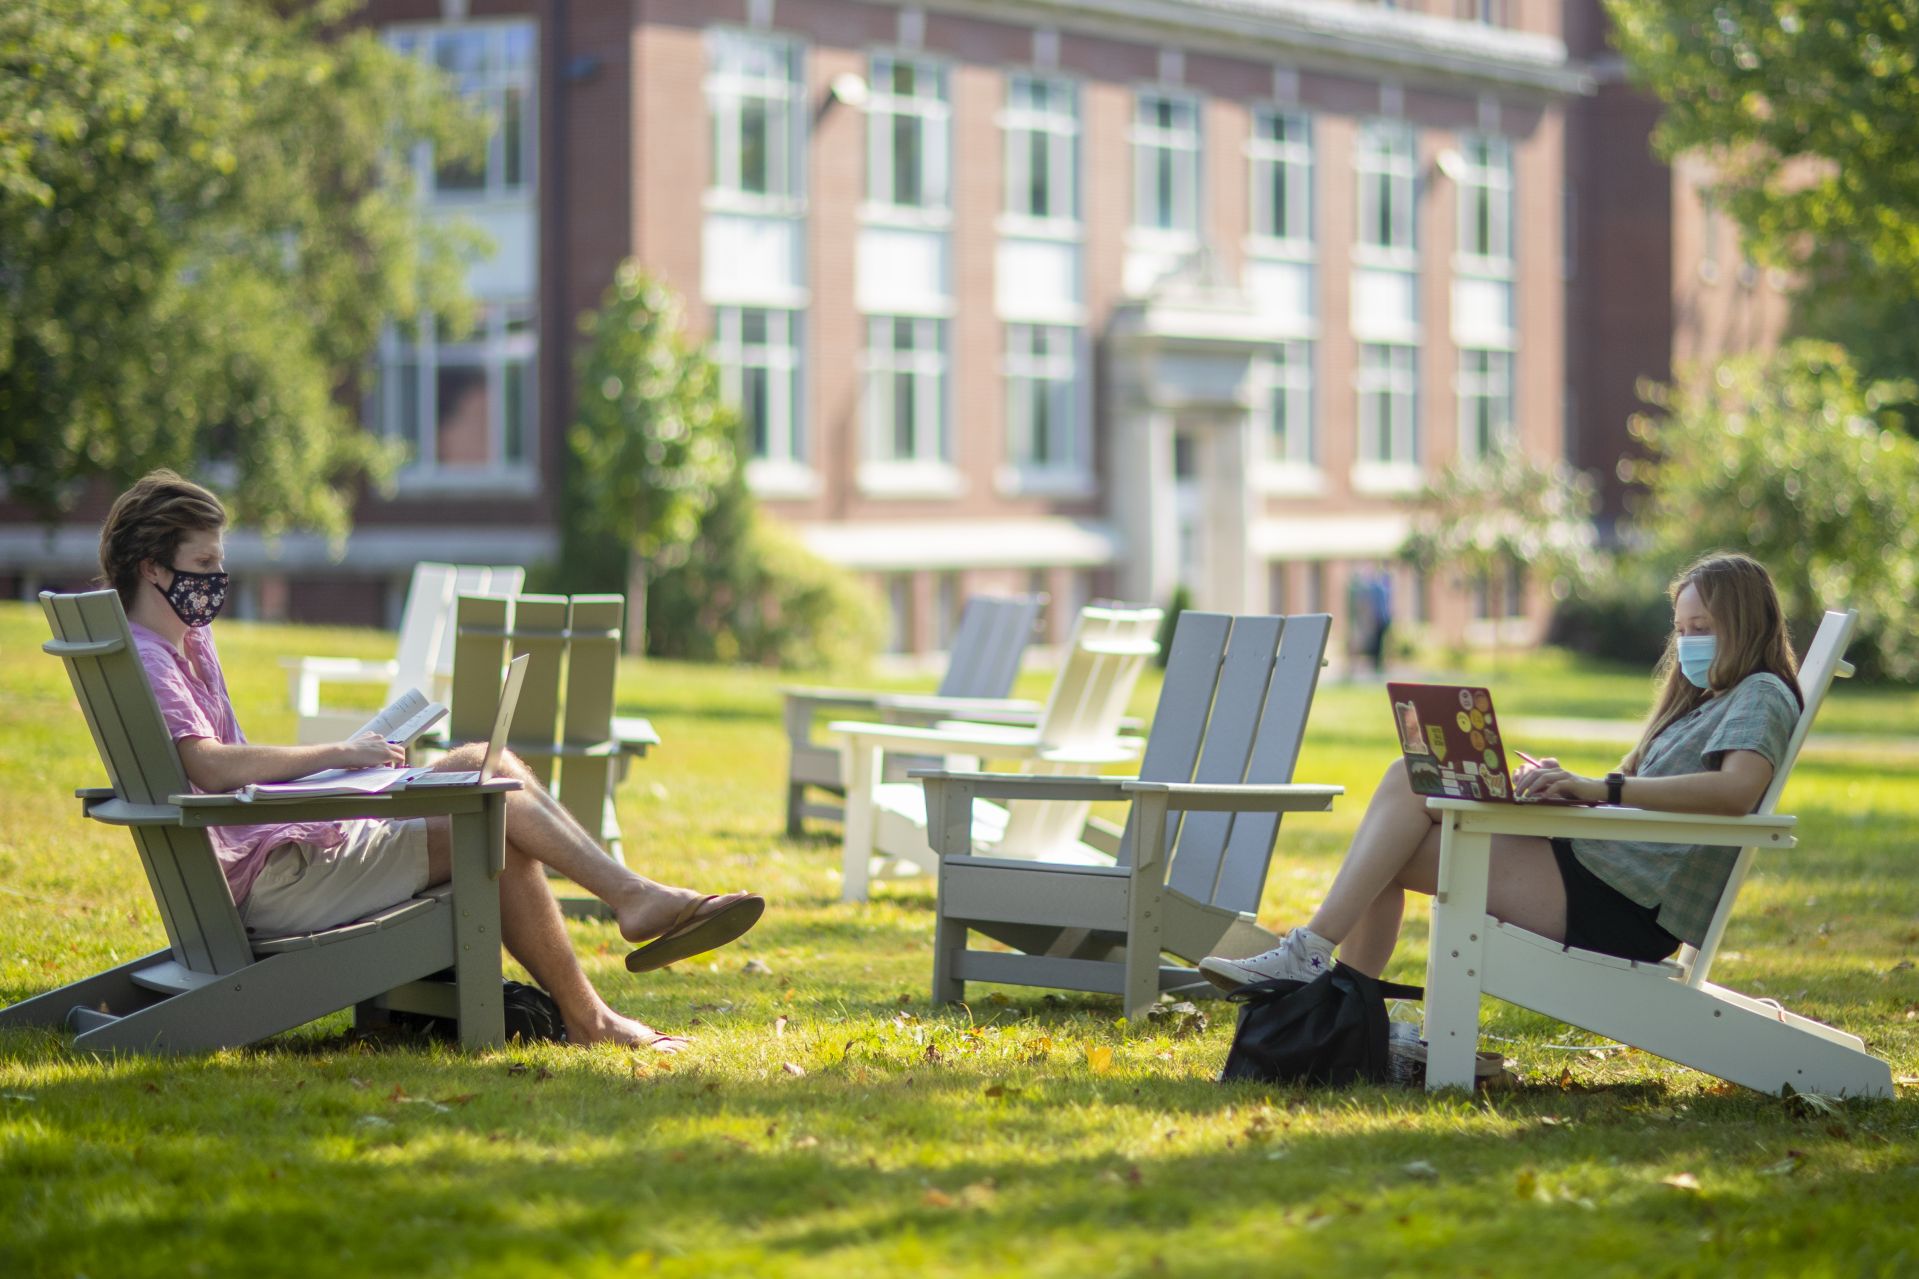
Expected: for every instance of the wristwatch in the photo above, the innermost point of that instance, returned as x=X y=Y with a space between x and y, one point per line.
x=1615 y=788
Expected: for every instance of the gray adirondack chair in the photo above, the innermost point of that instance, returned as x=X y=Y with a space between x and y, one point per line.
x=1667 y=1008
x=983 y=662
x=213 y=985
x=1192 y=861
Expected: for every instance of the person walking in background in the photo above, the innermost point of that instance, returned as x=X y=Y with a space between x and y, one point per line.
x=1370 y=613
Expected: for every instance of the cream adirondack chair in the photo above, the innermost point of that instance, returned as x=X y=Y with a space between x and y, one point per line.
x=983 y=662
x=422 y=660
x=1078 y=729
x=213 y=985
x=1668 y=1009
x=1192 y=861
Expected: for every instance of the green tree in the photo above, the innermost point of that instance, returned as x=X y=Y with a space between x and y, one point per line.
x=1790 y=457
x=1482 y=516
x=206 y=213
x=1809 y=112
x=652 y=444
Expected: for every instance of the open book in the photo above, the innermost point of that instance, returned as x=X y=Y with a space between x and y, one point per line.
x=410 y=715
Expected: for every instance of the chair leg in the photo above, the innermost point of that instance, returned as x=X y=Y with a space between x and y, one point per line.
x=1455 y=965
x=795 y=809
x=1145 y=920
x=862 y=768
x=949 y=942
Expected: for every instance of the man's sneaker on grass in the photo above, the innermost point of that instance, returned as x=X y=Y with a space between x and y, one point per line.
x=1301 y=955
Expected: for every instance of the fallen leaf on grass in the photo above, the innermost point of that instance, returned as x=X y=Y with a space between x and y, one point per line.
x=512 y=1068
x=1099 y=1058
x=792 y=1069
x=1680 y=1181
x=17 y=1096
x=779 y=1027
x=806 y=1143
x=756 y=968
x=1786 y=1166
x=1421 y=1169
x=936 y=1198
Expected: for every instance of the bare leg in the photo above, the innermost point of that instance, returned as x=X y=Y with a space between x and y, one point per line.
x=534 y=935
x=547 y=833
x=1396 y=849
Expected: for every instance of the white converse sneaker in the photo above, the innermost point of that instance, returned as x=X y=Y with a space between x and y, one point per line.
x=1301 y=955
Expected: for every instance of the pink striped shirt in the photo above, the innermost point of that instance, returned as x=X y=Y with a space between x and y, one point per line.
x=192 y=693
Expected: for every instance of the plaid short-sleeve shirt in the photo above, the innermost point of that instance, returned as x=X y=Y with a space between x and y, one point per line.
x=1685 y=881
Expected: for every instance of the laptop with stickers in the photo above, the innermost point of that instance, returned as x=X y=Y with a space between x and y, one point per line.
x=1454 y=744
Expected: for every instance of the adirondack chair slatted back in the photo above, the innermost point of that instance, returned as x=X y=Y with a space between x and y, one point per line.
x=538 y=626
x=1185 y=702
x=1240 y=696
x=479 y=666
x=987 y=646
x=91 y=637
x=1825 y=660
x=1110 y=648
x=424 y=657
x=592 y=666
x=1241 y=873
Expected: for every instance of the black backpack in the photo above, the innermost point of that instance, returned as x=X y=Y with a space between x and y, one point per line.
x=1330 y=1030
x=531 y=1015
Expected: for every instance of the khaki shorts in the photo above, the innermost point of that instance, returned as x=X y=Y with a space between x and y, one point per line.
x=303 y=889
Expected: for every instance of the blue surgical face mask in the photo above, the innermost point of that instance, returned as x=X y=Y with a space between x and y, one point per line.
x=1695 y=657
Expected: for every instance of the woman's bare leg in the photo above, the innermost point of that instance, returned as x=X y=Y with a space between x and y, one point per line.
x=1396 y=849
x=543 y=830
x=534 y=934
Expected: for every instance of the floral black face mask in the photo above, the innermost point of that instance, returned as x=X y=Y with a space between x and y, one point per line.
x=196 y=598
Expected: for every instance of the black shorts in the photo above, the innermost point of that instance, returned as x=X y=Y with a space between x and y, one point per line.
x=1600 y=917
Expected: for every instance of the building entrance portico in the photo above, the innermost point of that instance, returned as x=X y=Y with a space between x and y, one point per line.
x=1180 y=373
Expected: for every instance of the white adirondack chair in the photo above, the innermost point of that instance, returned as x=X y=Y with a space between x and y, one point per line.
x=1192 y=862
x=214 y=985
x=982 y=664
x=1669 y=1009
x=422 y=660
x=1078 y=729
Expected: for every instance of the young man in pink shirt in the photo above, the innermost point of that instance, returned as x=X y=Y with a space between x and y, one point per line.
x=161 y=550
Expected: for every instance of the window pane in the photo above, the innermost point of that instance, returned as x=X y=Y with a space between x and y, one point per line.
x=754 y=158
x=756 y=409
x=461 y=427
x=518 y=391
x=513 y=130
x=907 y=157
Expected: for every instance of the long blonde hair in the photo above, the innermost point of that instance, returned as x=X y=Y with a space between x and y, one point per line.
x=1738 y=594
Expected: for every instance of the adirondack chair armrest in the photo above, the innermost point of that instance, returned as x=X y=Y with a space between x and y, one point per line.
x=1118 y=751
x=342 y=670
x=228 y=809
x=1014 y=710
x=1766 y=830
x=1240 y=798
x=93 y=792
x=950 y=795
x=817 y=698
x=634 y=734
x=951 y=738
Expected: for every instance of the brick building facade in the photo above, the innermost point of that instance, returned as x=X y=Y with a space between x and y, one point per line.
x=1089 y=296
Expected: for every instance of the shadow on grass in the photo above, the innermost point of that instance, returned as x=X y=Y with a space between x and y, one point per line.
x=323 y=1166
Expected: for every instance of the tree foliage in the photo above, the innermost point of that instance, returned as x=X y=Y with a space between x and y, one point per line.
x=1483 y=515
x=205 y=216
x=651 y=441
x=1791 y=457
x=1809 y=112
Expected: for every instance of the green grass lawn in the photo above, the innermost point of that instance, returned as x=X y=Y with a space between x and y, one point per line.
x=829 y=1122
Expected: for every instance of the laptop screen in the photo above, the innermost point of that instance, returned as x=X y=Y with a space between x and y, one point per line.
x=503 y=718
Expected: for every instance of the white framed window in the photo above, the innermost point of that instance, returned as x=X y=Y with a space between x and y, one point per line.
x=1166 y=163
x=1043 y=401
x=1388 y=381
x=1041 y=129
x=1280 y=152
x=1287 y=400
x=1485 y=401
x=491 y=64
x=758 y=353
x=461 y=403
x=756 y=101
x=1486 y=200
x=1388 y=170
x=906 y=392
x=908 y=134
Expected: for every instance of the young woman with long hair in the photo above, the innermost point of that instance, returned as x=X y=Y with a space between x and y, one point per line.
x=1726 y=703
x=161 y=549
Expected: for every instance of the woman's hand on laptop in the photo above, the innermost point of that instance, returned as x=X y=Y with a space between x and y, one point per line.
x=370 y=750
x=1550 y=781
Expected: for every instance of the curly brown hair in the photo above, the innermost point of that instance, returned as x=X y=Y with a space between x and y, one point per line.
x=148 y=522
